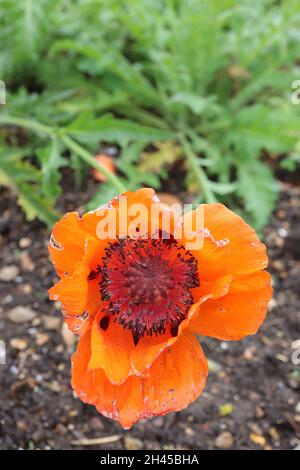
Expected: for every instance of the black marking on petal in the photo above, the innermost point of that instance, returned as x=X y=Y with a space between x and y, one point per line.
x=136 y=337
x=55 y=244
x=104 y=323
x=92 y=275
x=174 y=330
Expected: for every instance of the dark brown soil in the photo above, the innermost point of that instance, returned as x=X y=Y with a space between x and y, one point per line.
x=255 y=378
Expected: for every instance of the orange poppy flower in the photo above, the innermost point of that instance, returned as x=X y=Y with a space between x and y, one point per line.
x=138 y=302
x=108 y=163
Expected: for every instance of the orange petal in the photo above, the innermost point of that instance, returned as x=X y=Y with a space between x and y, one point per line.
x=93 y=387
x=79 y=324
x=212 y=289
x=144 y=196
x=72 y=291
x=176 y=378
x=230 y=245
x=93 y=252
x=66 y=245
x=149 y=348
x=79 y=295
x=110 y=349
x=94 y=301
x=237 y=314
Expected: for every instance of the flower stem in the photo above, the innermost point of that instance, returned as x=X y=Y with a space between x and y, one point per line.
x=26 y=123
x=196 y=168
x=88 y=157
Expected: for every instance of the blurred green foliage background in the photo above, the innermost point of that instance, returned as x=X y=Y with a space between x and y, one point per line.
x=202 y=84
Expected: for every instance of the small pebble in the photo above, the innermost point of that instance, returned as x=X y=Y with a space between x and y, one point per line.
x=214 y=366
x=226 y=409
x=132 y=443
x=41 y=339
x=18 y=343
x=274 y=434
x=21 y=314
x=9 y=273
x=96 y=423
x=25 y=288
x=282 y=232
x=257 y=439
x=51 y=323
x=189 y=432
x=24 y=242
x=224 y=440
x=60 y=429
x=26 y=262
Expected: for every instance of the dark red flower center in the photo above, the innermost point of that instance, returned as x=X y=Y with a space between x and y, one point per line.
x=147 y=284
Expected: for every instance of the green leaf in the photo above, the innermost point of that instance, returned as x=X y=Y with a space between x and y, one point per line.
x=26 y=24
x=196 y=104
x=257 y=128
x=89 y=130
x=24 y=179
x=258 y=189
x=291 y=162
x=14 y=169
x=222 y=188
x=34 y=205
x=51 y=162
